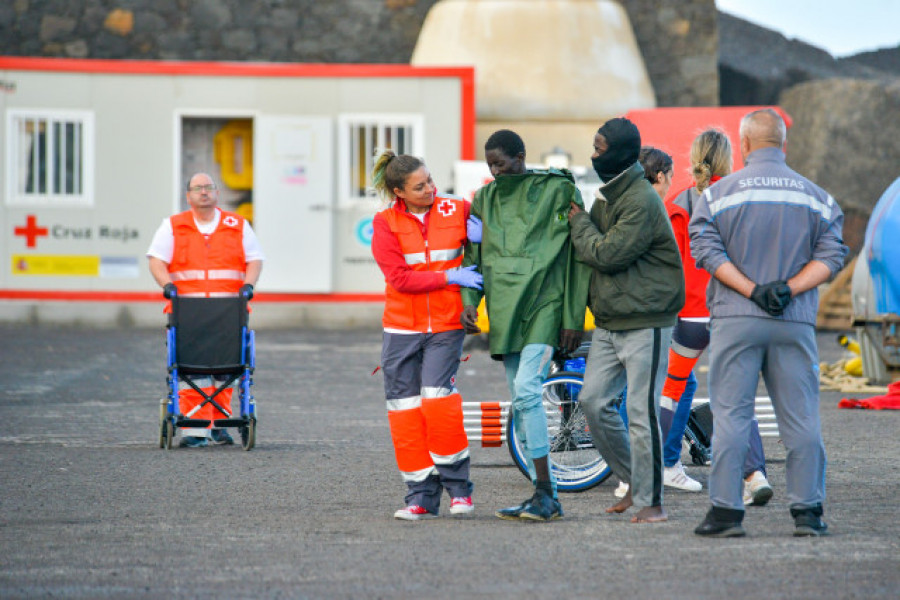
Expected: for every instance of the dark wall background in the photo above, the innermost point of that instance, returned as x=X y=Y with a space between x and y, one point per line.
x=678 y=40
x=260 y=30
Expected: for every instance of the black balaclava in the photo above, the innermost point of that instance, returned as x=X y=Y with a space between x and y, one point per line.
x=624 y=145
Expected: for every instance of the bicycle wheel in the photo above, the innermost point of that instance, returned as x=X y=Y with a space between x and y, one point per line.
x=574 y=460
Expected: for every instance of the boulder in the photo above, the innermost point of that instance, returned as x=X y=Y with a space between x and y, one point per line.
x=846 y=138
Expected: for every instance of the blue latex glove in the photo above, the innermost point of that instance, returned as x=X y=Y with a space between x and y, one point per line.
x=473 y=229
x=465 y=276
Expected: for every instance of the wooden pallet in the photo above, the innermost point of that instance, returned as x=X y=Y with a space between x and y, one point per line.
x=836 y=302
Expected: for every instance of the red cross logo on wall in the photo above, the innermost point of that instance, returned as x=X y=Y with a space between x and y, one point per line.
x=31 y=231
x=446 y=208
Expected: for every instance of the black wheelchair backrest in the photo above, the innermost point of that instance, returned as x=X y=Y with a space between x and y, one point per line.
x=209 y=333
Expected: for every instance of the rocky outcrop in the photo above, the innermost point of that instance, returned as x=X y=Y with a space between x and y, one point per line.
x=756 y=64
x=886 y=60
x=678 y=41
x=846 y=138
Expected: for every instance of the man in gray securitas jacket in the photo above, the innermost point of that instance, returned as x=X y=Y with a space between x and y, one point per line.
x=636 y=292
x=769 y=237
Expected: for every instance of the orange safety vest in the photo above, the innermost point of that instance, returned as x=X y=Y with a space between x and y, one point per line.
x=432 y=311
x=208 y=266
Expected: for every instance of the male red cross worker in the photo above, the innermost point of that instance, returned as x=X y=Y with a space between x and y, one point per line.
x=209 y=253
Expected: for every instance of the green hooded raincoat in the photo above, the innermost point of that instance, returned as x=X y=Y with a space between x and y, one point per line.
x=533 y=284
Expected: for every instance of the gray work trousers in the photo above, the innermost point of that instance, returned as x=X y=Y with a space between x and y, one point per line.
x=638 y=357
x=785 y=353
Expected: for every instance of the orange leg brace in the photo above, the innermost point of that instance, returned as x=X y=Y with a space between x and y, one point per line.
x=408 y=434
x=679 y=370
x=444 y=425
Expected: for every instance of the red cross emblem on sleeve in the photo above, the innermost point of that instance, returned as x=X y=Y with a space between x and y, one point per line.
x=446 y=208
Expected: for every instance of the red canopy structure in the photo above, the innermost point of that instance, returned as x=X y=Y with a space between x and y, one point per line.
x=673 y=129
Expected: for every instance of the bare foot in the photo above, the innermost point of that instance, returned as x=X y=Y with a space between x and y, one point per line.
x=650 y=514
x=622 y=505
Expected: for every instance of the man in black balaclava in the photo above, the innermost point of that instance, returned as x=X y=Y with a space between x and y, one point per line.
x=636 y=292
x=616 y=147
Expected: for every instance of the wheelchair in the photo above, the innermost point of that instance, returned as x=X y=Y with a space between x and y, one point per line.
x=209 y=338
x=575 y=461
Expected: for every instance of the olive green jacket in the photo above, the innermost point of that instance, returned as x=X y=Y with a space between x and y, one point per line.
x=637 y=280
x=533 y=285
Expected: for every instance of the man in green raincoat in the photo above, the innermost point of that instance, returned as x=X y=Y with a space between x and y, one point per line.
x=535 y=294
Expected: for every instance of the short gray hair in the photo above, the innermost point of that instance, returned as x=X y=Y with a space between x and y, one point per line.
x=764 y=125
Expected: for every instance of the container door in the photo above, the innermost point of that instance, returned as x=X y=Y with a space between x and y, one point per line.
x=293 y=202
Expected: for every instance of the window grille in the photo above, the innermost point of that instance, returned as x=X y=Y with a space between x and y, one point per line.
x=49 y=157
x=362 y=137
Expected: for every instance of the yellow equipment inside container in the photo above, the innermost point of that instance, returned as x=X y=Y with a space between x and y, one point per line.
x=233 y=151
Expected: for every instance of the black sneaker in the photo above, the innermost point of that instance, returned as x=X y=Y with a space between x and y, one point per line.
x=190 y=441
x=512 y=513
x=808 y=522
x=541 y=507
x=221 y=437
x=722 y=522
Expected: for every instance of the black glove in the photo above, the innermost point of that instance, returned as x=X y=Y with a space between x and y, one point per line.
x=469 y=319
x=169 y=290
x=569 y=340
x=772 y=297
x=247 y=291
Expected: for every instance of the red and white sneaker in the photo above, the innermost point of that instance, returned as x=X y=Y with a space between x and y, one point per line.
x=413 y=512
x=461 y=506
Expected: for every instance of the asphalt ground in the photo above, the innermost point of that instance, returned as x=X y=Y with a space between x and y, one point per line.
x=90 y=507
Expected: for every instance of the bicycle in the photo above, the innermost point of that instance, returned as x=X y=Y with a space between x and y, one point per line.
x=574 y=460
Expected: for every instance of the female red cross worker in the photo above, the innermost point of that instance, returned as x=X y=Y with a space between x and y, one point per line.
x=418 y=243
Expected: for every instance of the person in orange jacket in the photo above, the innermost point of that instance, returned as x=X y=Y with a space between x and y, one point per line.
x=418 y=243
x=205 y=252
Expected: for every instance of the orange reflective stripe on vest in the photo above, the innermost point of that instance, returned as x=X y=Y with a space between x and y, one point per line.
x=438 y=310
x=208 y=266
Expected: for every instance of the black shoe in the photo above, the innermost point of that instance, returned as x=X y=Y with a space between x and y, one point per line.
x=808 y=522
x=512 y=513
x=541 y=507
x=190 y=441
x=221 y=437
x=722 y=522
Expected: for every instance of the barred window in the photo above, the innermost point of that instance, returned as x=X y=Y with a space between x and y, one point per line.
x=49 y=157
x=361 y=137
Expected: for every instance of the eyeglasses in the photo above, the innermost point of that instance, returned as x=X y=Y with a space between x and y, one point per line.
x=202 y=188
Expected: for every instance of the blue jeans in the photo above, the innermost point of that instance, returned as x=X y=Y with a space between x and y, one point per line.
x=525 y=374
x=674 y=423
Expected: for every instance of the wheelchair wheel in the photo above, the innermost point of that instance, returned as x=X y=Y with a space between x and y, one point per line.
x=574 y=460
x=170 y=433
x=248 y=435
x=162 y=423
